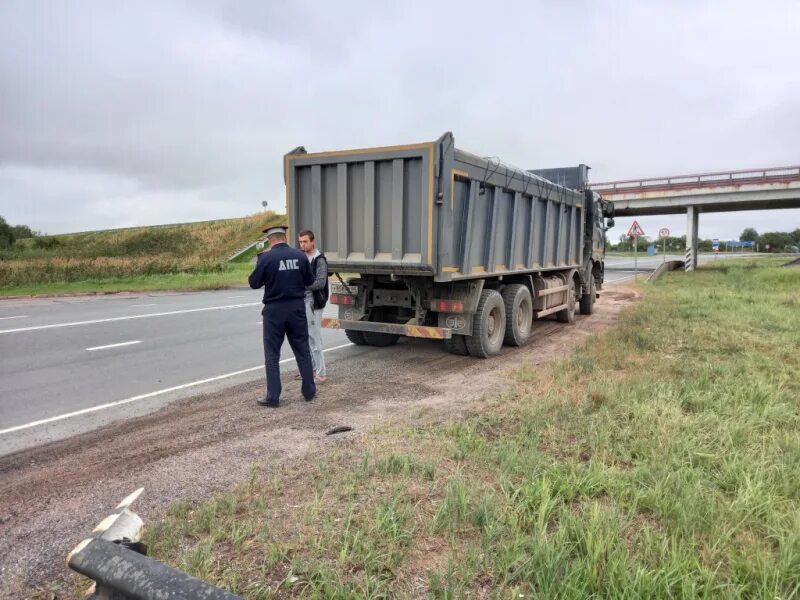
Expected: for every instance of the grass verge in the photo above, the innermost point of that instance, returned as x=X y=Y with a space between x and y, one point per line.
x=187 y=256
x=224 y=276
x=660 y=460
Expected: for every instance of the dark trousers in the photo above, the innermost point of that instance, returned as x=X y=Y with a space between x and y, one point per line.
x=286 y=319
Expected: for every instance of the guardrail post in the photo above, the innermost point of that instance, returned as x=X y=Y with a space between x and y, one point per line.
x=115 y=560
x=120 y=573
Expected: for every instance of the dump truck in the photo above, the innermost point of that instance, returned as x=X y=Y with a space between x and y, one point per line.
x=426 y=240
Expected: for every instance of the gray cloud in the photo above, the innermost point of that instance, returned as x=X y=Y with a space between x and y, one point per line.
x=114 y=114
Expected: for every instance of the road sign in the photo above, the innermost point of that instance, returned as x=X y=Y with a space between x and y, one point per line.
x=663 y=233
x=715 y=245
x=635 y=230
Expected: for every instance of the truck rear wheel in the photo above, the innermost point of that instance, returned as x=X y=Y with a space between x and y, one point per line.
x=488 y=325
x=568 y=314
x=457 y=345
x=357 y=337
x=519 y=314
x=587 y=300
x=381 y=340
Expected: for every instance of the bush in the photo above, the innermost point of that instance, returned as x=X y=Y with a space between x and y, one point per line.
x=6 y=234
x=46 y=243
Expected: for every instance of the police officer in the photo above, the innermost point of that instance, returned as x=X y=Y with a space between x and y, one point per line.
x=285 y=274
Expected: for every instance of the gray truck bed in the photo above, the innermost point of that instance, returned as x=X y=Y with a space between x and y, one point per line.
x=431 y=209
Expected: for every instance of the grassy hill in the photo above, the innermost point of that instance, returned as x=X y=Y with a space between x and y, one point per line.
x=96 y=258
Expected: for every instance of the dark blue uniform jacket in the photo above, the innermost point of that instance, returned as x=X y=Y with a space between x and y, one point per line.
x=284 y=272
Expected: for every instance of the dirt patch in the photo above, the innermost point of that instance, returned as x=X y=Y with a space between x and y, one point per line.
x=52 y=496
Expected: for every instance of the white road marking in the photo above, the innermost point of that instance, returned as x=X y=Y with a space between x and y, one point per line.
x=128 y=318
x=16 y=317
x=242 y=296
x=114 y=345
x=141 y=305
x=145 y=396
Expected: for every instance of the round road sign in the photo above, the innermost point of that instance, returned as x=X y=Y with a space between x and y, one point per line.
x=663 y=233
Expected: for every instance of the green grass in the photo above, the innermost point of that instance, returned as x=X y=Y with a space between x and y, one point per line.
x=189 y=256
x=223 y=276
x=660 y=460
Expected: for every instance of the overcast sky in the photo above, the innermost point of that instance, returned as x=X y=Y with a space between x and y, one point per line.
x=115 y=114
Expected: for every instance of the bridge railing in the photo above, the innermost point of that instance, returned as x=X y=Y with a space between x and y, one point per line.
x=677 y=182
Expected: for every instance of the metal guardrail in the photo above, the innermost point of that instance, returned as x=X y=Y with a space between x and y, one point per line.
x=244 y=249
x=678 y=182
x=670 y=265
x=114 y=557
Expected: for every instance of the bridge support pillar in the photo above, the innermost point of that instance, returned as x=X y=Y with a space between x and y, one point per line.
x=692 y=221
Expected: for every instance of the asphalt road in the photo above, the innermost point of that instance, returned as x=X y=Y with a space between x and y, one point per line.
x=73 y=364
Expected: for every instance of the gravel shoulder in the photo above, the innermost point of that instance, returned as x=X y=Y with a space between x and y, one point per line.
x=53 y=495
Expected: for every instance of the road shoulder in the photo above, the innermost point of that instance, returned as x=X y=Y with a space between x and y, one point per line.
x=51 y=496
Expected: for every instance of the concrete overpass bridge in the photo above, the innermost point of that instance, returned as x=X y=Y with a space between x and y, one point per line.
x=727 y=191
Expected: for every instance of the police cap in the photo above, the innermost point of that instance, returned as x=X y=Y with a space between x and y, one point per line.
x=277 y=229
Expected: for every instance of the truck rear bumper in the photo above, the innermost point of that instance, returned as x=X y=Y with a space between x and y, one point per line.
x=437 y=333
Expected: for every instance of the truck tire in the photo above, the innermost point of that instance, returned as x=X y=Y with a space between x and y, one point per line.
x=568 y=314
x=457 y=345
x=587 y=300
x=381 y=340
x=357 y=337
x=488 y=325
x=519 y=314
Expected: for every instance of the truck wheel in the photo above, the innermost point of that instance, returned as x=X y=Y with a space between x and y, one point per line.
x=357 y=337
x=488 y=325
x=519 y=314
x=457 y=345
x=381 y=340
x=568 y=314
x=587 y=300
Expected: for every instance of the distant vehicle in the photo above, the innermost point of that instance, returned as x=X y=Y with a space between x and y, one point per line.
x=449 y=245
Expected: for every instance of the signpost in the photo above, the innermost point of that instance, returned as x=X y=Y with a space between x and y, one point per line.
x=715 y=246
x=635 y=232
x=663 y=233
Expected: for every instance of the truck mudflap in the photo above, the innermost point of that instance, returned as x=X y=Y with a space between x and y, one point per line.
x=419 y=331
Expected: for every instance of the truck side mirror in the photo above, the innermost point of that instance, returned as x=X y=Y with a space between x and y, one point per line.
x=609 y=223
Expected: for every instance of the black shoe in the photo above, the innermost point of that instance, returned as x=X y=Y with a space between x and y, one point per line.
x=309 y=399
x=267 y=403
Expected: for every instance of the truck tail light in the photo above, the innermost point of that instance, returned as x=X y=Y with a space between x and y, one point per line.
x=342 y=299
x=449 y=306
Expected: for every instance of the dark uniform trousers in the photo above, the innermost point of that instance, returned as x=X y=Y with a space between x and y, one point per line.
x=286 y=317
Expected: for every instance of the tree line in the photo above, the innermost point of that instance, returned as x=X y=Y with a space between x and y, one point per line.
x=11 y=233
x=772 y=241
